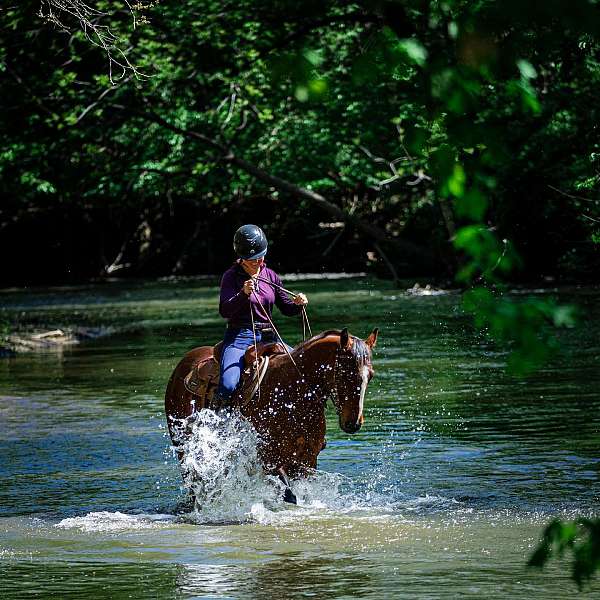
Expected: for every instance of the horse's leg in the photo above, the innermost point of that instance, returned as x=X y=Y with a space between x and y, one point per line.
x=288 y=495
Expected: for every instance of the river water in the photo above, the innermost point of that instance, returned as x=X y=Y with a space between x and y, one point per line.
x=443 y=493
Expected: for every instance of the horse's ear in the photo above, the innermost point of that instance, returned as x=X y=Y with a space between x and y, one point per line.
x=345 y=339
x=372 y=339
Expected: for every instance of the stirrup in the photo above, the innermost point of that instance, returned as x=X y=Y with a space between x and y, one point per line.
x=221 y=403
x=254 y=379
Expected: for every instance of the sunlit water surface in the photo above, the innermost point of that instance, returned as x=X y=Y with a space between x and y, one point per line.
x=442 y=494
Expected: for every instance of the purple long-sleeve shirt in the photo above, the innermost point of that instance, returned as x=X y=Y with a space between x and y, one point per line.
x=235 y=305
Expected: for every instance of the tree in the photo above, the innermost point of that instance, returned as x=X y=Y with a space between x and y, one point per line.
x=449 y=138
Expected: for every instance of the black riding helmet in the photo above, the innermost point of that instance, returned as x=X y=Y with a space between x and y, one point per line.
x=250 y=242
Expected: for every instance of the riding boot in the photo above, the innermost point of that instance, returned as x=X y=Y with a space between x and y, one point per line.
x=221 y=402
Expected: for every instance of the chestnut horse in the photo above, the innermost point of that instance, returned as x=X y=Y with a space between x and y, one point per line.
x=289 y=412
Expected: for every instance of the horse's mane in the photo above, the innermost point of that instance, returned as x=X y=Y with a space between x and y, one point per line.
x=359 y=349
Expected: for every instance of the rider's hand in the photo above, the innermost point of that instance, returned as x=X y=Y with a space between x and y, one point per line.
x=249 y=287
x=301 y=300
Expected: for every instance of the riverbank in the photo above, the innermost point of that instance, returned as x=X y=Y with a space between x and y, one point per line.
x=54 y=318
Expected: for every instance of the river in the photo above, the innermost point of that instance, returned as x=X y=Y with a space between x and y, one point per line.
x=443 y=493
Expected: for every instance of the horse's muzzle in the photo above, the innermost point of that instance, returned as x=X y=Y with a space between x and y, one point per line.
x=352 y=426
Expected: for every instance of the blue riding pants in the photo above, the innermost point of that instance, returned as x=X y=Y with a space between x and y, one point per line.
x=235 y=344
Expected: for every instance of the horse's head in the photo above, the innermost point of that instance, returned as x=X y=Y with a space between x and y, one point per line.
x=352 y=372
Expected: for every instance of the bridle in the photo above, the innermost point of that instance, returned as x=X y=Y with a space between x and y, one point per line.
x=335 y=396
x=305 y=325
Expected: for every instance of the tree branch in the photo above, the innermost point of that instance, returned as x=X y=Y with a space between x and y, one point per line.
x=419 y=254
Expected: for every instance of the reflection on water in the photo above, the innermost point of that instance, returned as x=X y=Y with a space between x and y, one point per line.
x=329 y=576
x=76 y=579
x=443 y=492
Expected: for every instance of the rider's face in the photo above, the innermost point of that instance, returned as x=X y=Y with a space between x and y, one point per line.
x=253 y=266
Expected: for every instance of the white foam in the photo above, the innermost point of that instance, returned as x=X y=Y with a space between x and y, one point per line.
x=114 y=521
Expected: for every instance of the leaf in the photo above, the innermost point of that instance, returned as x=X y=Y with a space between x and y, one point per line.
x=317 y=87
x=414 y=50
x=474 y=239
x=313 y=57
x=472 y=205
x=564 y=316
x=301 y=93
x=581 y=537
x=527 y=69
x=456 y=182
x=478 y=298
x=540 y=556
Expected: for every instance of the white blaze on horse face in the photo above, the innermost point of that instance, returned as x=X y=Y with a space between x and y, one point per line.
x=363 y=389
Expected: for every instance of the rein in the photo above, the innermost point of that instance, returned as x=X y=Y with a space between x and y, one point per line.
x=305 y=326
x=305 y=322
x=279 y=287
x=274 y=329
x=255 y=351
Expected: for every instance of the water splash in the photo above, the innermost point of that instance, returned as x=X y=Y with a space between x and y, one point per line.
x=222 y=470
x=114 y=521
x=223 y=474
x=225 y=483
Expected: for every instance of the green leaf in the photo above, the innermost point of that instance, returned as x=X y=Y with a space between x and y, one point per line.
x=414 y=50
x=472 y=205
x=317 y=87
x=526 y=68
x=564 y=316
x=478 y=298
x=475 y=239
x=302 y=93
x=456 y=182
x=313 y=57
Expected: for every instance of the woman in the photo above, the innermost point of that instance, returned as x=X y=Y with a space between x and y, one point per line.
x=247 y=300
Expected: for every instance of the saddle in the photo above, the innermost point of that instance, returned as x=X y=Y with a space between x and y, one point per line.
x=202 y=381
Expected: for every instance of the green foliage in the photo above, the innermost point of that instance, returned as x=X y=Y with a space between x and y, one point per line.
x=469 y=129
x=526 y=325
x=471 y=205
x=302 y=70
x=312 y=95
x=325 y=95
x=581 y=538
x=489 y=257
x=4 y=328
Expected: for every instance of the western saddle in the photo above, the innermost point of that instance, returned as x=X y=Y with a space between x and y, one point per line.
x=202 y=381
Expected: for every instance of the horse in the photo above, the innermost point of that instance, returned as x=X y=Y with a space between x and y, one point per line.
x=288 y=411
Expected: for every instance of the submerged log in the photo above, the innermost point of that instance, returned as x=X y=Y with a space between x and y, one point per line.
x=36 y=340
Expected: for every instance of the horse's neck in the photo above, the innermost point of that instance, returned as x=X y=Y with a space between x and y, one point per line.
x=317 y=363
x=309 y=380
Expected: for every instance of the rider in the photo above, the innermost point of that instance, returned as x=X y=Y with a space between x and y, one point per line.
x=244 y=302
